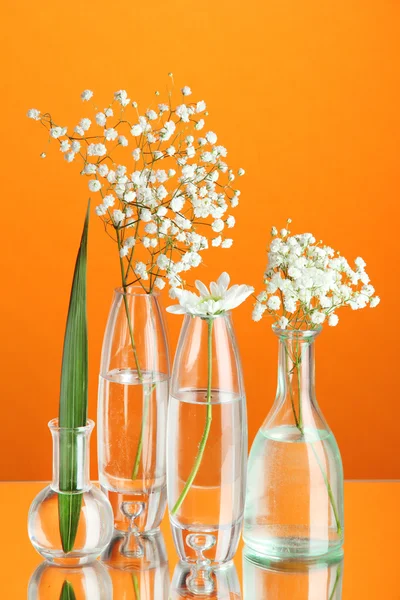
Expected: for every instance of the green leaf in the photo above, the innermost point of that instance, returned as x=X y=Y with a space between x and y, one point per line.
x=73 y=397
x=67 y=591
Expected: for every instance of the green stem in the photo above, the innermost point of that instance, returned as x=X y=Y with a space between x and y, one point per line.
x=299 y=426
x=207 y=427
x=338 y=573
x=136 y=586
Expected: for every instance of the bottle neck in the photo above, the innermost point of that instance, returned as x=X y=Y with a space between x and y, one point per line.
x=71 y=458
x=296 y=378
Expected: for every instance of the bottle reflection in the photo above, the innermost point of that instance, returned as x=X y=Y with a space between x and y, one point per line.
x=192 y=581
x=90 y=582
x=137 y=566
x=265 y=579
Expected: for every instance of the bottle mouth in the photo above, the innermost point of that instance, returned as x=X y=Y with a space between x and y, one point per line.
x=297 y=334
x=54 y=426
x=135 y=290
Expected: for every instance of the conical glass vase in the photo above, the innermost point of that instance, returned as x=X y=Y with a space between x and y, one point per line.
x=91 y=518
x=294 y=502
x=132 y=410
x=207 y=442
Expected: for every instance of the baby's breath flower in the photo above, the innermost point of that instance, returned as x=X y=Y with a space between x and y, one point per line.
x=86 y=95
x=313 y=281
x=33 y=113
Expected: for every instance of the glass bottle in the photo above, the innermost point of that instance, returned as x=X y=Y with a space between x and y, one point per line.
x=287 y=579
x=132 y=410
x=51 y=582
x=294 y=502
x=95 y=524
x=207 y=442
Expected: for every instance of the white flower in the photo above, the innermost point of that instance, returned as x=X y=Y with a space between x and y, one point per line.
x=151 y=115
x=159 y=283
x=211 y=137
x=216 y=241
x=213 y=302
x=177 y=203
x=136 y=130
x=69 y=156
x=274 y=303
x=186 y=91
x=101 y=119
x=258 y=311
x=102 y=170
x=201 y=106
x=374 y=301
x=108 y=201
x=57 y=132
x=183 y=113
x=360 y=263
x=283 y=323
x=317 y=317
x=122 y=140
x=124 y=251
x=94 y=185
x=65 y=146
x=33 y=113
x=86 y=95
x=218 y=225
x=241 y=172
x=89 y=169
x=136 y=154
x=227 y=243
x=167 y=131
x=171 y=151
x=199 y=125
x=85 y=124
x=75 y=146
x=110 y=134
x=141 y=270
x=230 y=222
x=109 y=112
x=96 y=150
x=333 y=320
x=122 y=97
x=118 y=216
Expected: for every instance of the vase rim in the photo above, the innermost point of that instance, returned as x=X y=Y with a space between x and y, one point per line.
x=134 y=290
x=299 y=334
x=53 y=426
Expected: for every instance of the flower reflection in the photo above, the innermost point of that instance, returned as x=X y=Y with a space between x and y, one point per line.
x=265 y=579
x=137 y=566
x=220 y=584
x=90 y=582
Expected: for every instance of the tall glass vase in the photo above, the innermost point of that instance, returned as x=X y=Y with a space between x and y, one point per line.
x=207 y=442
x=92 y=510
x=294 y=502
x=132 y=410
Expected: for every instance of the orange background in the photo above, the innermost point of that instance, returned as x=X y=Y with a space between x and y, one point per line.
x=305 y=95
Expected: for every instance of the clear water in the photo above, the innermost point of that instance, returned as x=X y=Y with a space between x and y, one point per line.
x=214 y=503
x=288 y=508
x=132 y=416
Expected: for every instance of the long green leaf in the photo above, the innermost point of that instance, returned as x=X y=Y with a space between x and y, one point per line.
x=73 y=397
x=67 y=591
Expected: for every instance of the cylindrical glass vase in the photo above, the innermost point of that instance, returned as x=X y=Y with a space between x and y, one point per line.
x=294 y=501
x=207 y=442
x=91 y=508
x=132 y=410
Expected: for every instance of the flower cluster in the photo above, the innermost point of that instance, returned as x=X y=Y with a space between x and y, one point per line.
x=306 y=282
x=211 y=302
x=168 y=194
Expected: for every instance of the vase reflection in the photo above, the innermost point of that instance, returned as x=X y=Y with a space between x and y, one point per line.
x=265 y=579
x=90 y=582
x=195 y=581
x=137 y=566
